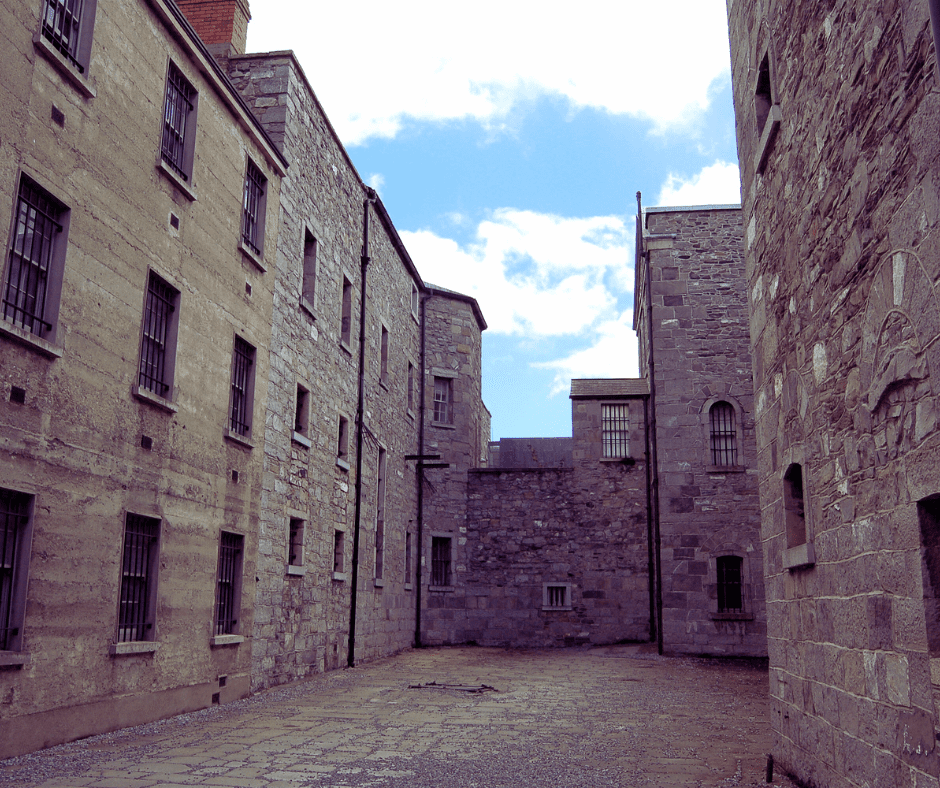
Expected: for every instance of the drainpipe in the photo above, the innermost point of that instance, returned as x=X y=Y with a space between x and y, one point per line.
x=419 y=553
x=364 y=260
x=651 y=562
x=935 y=24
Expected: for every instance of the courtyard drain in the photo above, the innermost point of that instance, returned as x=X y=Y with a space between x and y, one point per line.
x=475 y=688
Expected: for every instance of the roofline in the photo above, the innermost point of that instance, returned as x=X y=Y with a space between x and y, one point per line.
x=431 y=290
x=687 y=208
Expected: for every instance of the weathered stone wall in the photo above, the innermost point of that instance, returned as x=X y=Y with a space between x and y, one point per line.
x=841 y=220
x=531 y=453
x=75 y=442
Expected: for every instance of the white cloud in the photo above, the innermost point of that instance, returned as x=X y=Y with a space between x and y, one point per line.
x=533 y=274
x=717 y=184
x=376 y=181
x=376 y=64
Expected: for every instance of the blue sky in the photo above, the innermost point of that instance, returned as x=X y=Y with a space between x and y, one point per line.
x=508 y=145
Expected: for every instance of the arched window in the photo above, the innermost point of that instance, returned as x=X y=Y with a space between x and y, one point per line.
x=722 y=435
x=793 y=505
x=730 y=584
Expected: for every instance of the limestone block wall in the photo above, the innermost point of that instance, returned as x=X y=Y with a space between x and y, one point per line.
x=77 y=437
x=841 y=219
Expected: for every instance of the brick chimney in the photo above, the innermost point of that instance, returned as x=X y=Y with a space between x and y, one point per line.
x=221 y=24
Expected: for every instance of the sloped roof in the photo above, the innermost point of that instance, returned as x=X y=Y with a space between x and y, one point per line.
x=599 y=388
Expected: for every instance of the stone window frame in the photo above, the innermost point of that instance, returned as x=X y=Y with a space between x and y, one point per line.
x=71 y=61
x=22 y=536
x=296 y=558
x=415 y=302
x=450 y=537
x=342 y=442
x=767 y=113
x=339 y=555
x=705 y=418
x=384 y=342
x=310 y=270
x=547 y=596
x=796 y=554
x=381 y=479
x=412 y=390
x=345 y=312
x=179 y=170
x=150 y=315
x=300 y=433
x=146 y=570
x=747 y=586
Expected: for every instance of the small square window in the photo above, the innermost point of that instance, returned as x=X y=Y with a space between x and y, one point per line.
x=441 y=561
x=345 y=331
x=383 y=358
x=138 y=579
x=253 y=209
x=15 y=536
x=242 y=392
x=444 y=400
x=556 y=596
x=295 y=538
x=179 y=125
x=615 y=431
x=158 y=338
x=309 y=284
x=229 y=583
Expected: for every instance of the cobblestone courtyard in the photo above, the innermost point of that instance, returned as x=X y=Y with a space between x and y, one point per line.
x=612 y=716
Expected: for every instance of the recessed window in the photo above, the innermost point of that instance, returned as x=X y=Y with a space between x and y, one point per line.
x=615 y=431
x=138 y=579
x=339 y=538
x=763 y=99
x=309 y=285
x=228 y=584
x=302 y=411
x=383 y=357
x=444 y=400
x=15 y=537
x=794 y=505
x=158 y=337
x=342 y=443
x=441 y=561
x=295 y=542
x=179 y=124
x=411 y=387
x=253 y=208
x=722 y=435
x=408 y=568
x=556 y=596
x=730 y=584
x=345 y=331
x=414 y=300
x=380 y=515
x=33 y=280
x=242 y=390
x=67 y=26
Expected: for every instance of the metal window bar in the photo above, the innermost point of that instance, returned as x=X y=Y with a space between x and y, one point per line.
x=61 y=26
x=140 y=539
x=251 y=215
x=729 y=584
x=230 y=549
x=442 y=400
x=296 y=540
x=158 y=311
x=723 y=437
x=557 y=596
x=440 y=561
x=37 y=222
x=178 y=106
x=615 y=430
x=14 y=517
x=242 y=360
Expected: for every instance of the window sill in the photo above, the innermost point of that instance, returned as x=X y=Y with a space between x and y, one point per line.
x=767 y=137
x=81 y=83
x=296 y=571
x=409 y=587
x=296 y=437
x=31 y=340
x=175 y=179
x=252 y=255
x=340 y=577
x=14 y=658
x=243 y=440
x=411 y=414
x=154 y=399
x=626 y=458
x=378 y=582
x=384 y=384
x=546 y=607
x=442 y=425
x=732 y=617
x=226 y=640
x=307 y=307
x=725 y=469
x=133 y=647
x=802 y=556
x=345 y=346
x=340 y=463
x=442 y=589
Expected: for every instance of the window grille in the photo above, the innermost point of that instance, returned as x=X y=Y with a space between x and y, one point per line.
x=557 y=596
x=230 y=558
x=443 y=398
x=253 y=208
x=179 y=106
x=31 y=258
x=61 y=26
x=158 y=316
x=723 y=437
x=615 y=430
x=296 y=542
x=140 y=541
x=14 y=517
x=243 y=358
x=440 y=561
x=729 y=584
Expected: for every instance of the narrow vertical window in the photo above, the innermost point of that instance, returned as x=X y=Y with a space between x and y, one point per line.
x=301 y=411
x=730 y=597
x=158 y=338
x=440 y=561
x=309 y=284
x=138 y=578
x=342 y=444
x=408 y=558
x=763 y=99
x=243 y=363
x=228 y=586
x=295 y=542
x=615 y=430
x=380 y=515
x=411 y=386
x=383 y=358
x=179 y=114
x=414 y=300
x=253 y=205
x=33 y=278
x=793 y=505
x=338 y=552
x=443 y=400
x=345 y=331
x=14 y=560
x=722 y=435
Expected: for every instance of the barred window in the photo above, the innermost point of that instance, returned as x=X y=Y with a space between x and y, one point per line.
x=723 y=438
x=14 y=559
x=179 y=116
x=443 y=400
x=138 y=578
x=730 y=598
x=615 y=430
x=33 y=279
x=67 y=26
x=228 y=589
x=158 y=339
x=440 y=561
x=253 y=208
x=243 y=378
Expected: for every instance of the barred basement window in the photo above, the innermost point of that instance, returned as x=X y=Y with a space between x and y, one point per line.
x=615 y=431
x=722 y=435
x=253 y=206
x=158 y=340
x=67 y=25
x=443 y=400
x=179 y=123
x=556 y=596
x=228 y=588
x=440 y=561
x=730 y=597
x=243 y=378
x=138 y=579
x=15 y=532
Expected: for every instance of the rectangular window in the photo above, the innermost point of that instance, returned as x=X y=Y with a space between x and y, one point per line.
x=342 y=444
x=301 y=411
x=34 y=267
x=556 y=596
x=338 y=554
x=411 y=386
x=615 y=430
x=309 y=285
x=228 y=588
x=729 y=584
x=414 y=300
x=243 y=379
x=138 y=579
x=440 y=561
x=158 y=338
x=722 y=437
x=383 y=357
x=443 y=400
x=295 y=538
x=380 y=515
x=253 y=208
x=15 y=532
x=67 y=25
x=407 y=558
x=179 y=124
x=345 y=330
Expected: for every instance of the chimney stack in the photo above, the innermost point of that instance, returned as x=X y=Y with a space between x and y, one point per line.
x=221 y=24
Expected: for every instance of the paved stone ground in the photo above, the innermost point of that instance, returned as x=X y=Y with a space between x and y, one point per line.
x=585 y=718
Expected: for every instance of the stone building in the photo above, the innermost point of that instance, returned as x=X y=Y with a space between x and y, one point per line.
x=836 y=109
x=140 y=195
